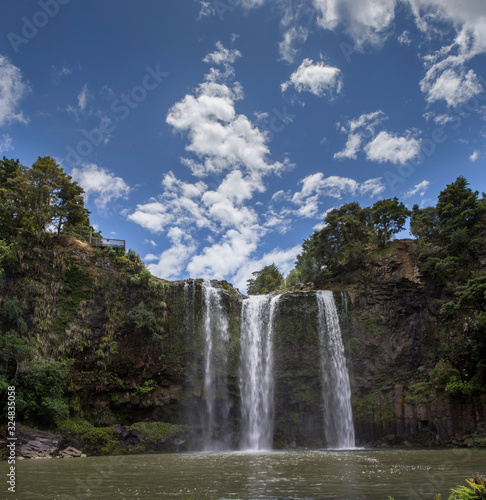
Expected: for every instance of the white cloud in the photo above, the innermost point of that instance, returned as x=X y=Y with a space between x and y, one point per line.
x=404 y=38
x=443 y=119
x=419 y=188
x=100 y=183
x=206 y=9
x=226 y=257
x=316 y=186
x=222 y=55
x=368 y=22
x=6 y=143
x=353 y=146
x=474 y=156
x=371 y=187
x=171 y=262
x=447 y=77
x=283 y=259
x=367 y=122
x=12 y=90
x=219 y=138
x=387 y=147
x=382 y=146
x=83 y=97
x=317 y=78
x=152 y=216
x=454 y=85
x=293 y=36
x=150 y=242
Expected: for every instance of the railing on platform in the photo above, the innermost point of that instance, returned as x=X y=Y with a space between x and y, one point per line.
x=106 y=242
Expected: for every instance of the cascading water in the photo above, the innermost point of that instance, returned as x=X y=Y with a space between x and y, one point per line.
x=256 y=371
x=216 y=396
x=338 y=415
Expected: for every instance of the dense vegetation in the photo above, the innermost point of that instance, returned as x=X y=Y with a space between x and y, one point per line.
x=61 y=319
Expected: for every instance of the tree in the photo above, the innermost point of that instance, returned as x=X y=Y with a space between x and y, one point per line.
x=348 y=223
x=13 y=208
x=458 y=206
x=266 y=280
x=389 y=218
x=460 y=215
x=70 y=208
x=423 y=222
x=54 y=197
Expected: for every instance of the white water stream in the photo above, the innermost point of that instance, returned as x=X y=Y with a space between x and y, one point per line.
x=256 y=371
x=336 y=391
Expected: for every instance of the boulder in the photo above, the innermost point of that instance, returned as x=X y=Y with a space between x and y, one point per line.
x=37 y=444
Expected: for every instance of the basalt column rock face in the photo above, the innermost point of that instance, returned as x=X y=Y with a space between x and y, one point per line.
x=394 y=334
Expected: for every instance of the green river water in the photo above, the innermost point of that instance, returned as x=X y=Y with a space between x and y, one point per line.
x=309 y=474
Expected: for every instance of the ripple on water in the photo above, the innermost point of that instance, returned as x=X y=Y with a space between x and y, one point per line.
x=312 y=474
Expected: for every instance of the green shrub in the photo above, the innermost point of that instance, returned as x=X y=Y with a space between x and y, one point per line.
x=442 y=373
x=457 y=387
x=147 y=387
x=82 y=429
x=155 y=431
x=12 y=315
x=475 y=490
x=40 y=386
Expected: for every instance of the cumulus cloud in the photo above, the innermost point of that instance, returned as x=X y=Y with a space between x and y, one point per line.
x=419 y=188
x=228 y=255
x=380 y=146
x=317 y=186
x=387 y=147
x=104 y=186
x=474 y=156
x=317 y=78
x=350 y=151
x=171 y=262
x=12 y=90
x=447 y=77
x=454 y=85
x=367 y=22
x=219 y=138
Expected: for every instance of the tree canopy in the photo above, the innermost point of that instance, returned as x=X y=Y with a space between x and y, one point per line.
x=265 y=281
x=33 y=200
x=389 y=218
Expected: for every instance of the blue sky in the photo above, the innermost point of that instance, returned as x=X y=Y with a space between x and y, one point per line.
x=214 y=135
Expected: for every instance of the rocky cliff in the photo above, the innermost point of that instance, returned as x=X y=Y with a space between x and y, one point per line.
x=137 y=351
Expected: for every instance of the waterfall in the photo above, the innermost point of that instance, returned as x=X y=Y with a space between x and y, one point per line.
x=256 y=371
x=215 y=330
x=338 y=415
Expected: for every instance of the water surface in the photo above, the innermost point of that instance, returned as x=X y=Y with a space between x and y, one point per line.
x=313 y=474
